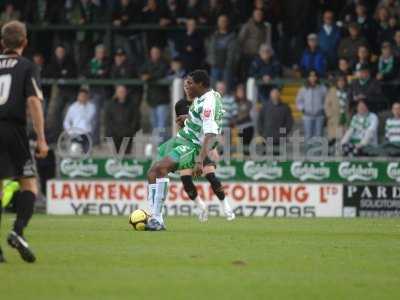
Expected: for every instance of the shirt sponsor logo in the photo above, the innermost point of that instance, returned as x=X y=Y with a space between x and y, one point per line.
x=78 y=168
x=123 y=169
x=357 y=171
x=310 y=171
x=262 y=170
x=207 y=112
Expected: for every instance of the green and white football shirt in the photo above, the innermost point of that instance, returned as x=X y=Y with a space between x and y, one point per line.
x=392 y=130
x=205 y=116
x=363 y=125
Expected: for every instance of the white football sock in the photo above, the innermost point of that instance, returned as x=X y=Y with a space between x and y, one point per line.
x=159 y=198
x=200 y=203
x=151 y=191
x=227 y=206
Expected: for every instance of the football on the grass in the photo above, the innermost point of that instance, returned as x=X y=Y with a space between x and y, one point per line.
x=138 y=219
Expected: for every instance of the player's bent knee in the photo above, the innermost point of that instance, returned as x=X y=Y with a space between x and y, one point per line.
x=152 y=174
x=189 y=186
x=186 y=172
x=29 y=185
x=208 y=169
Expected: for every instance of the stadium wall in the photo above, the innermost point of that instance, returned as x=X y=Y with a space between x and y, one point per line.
x=107 y=186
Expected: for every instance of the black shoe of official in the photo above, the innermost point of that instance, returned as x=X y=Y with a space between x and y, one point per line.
x=18 y=242
x=154 y=225
x=2 y=260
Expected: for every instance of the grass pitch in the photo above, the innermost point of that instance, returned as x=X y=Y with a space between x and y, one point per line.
x=103 y=258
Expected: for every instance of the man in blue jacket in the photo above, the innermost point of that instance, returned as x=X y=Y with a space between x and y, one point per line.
x=329 y=38
x=313 y=58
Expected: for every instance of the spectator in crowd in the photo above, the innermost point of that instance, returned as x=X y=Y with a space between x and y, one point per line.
x=121 y=68
x=265 y=67
x=313 y=58
x=38 y=11
x=388 y=70
x=298 y=19
x=191 y=48
x=388 y=66
x=343 y=69
x=329 y=38
x=364 y=58
x=83 y=12
x=337 y=109
x=392 y=132
x=348 y=46
x=396 y=47
x=366 y=24
x=311 y=102
x=384 y=30
x=152 y=13
x=228 y=104
x=215 y=8
x=392 y=5
x=194 y=9
x=242 y=10
x=122 y=117
x=251 y=36
x=9 y=14
x=275 y=118
x=126 y=12
x=80 y=119
x=98 y=66
x=61 y=66
x=244 y=121
x=157 y=96
x=367 y=88
x=176 y=69
x=363 y=130
x=222 y=52
x=40 y=63
x=393 y=26
x=173 y=10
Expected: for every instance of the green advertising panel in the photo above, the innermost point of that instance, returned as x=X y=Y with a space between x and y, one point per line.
x=288 y=171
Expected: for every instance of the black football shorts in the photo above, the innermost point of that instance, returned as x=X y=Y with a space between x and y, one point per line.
x=15 y=157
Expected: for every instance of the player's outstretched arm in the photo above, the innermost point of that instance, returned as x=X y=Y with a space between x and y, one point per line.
x=36 y=112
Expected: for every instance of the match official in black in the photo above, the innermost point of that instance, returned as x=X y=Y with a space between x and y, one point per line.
x=19 y=93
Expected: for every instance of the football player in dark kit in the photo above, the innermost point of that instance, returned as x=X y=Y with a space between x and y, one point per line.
x=19 y=93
